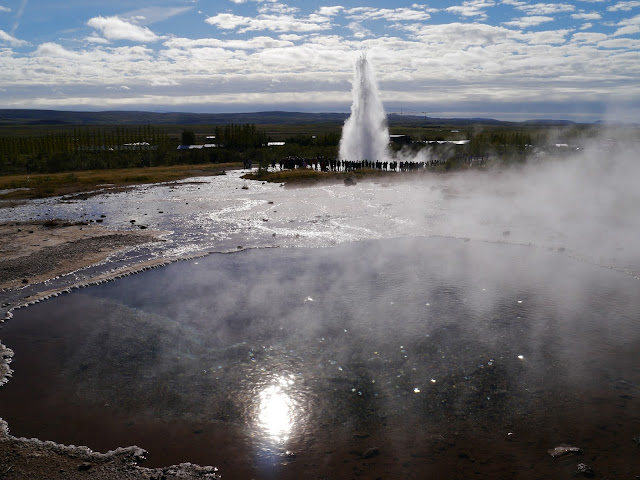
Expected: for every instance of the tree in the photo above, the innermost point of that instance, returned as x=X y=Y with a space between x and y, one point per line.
x=188 y=137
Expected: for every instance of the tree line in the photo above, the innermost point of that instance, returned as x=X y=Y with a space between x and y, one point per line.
x=86 y=148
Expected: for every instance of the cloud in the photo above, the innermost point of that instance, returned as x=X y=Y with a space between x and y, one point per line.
x=586 y=16
x=115 y=28
x=18 y=17
x=275 y=7
x=543 y=8
x=472 y=8
x=228 y=21
x=255 y=43
x=591 y=38
x=330 y=11
x=391 y=15
x=151 y=15
x=623 y=6
x=273 y=23
x=531 y=21
x=11 y=40
x=629 y=26
x=358 y=30
x=4 y=9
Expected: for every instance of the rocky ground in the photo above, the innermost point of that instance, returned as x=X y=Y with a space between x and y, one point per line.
x=37 y=251
x=22 y=458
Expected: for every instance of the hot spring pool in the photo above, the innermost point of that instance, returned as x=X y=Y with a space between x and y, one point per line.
x=386 y=358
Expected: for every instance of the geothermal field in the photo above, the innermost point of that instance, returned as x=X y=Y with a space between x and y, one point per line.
x=473 y=324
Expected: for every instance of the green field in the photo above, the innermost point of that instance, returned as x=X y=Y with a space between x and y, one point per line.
x=46 y=153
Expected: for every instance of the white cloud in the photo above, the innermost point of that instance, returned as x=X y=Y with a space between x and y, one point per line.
x=391 y=15
x=359 y=31
x=543 y=8
x=586 y=26
x=255 y=43
x=591 y=38
x=472 y=8
x=274 y=23
x=4 y=9
x=291 y=37
x=228 y=21
x=627 y=30
x=266 y=58
x=586 y=16
x=624 y=6
x=626 y=43
x=150 y=15
x=11 y=40
x=276 y=7
x=629 y=26
x=531 y=21
x=330 y=11
x=97 y=39
x=115 y=28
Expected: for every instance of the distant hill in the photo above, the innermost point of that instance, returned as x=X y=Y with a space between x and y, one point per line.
x=59 y=117
x=56 y=117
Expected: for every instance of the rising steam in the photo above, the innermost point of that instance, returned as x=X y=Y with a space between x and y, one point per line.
x=365 y=135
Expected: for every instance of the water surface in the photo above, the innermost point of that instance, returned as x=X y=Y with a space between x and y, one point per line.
x=387 y=357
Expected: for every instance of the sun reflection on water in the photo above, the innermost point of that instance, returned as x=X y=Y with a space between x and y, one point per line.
x=277 y=410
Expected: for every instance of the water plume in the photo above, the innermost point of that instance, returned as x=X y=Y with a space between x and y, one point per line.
x=365 y=135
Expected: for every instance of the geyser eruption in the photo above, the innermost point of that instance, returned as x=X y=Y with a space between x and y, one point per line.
x=365 y=135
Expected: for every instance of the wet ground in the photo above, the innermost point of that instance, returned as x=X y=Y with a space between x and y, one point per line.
x=386 y=358
x=454 y=325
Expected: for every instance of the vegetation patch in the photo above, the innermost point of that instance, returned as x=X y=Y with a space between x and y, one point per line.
x=46 y=185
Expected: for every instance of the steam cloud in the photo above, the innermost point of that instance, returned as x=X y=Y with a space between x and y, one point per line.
x=365 y=135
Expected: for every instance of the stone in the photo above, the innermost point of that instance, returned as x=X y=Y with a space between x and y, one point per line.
x=586 y=470
x=563 y=450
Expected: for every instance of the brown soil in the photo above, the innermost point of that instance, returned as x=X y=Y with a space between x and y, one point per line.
x=32 y=252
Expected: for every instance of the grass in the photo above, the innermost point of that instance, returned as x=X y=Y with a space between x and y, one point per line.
x=55 y=184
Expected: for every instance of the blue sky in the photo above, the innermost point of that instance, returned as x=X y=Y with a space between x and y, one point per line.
x=507 y=59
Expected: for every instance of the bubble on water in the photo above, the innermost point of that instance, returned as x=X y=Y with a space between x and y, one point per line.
x=416 y=390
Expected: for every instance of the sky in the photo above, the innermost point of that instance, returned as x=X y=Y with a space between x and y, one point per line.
x=506 y=59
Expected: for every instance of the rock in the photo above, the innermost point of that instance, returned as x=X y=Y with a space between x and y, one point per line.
x=563 y=450
x=637 y=440
x=83 y=467
x=586 y=470
x=349 y=181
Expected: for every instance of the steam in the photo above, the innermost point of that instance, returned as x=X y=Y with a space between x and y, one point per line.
x=365 y=135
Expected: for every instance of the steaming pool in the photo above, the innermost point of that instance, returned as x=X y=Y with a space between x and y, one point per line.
x=399 y=358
